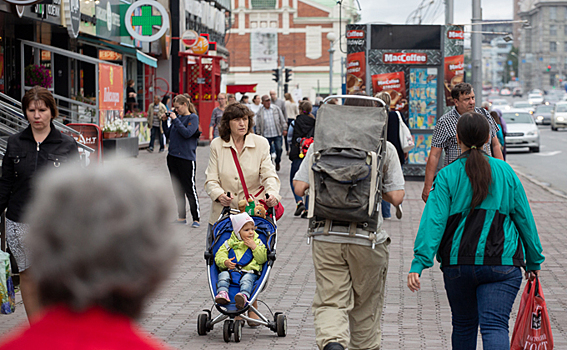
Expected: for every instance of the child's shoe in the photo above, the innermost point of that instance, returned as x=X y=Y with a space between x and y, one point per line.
x=240 y=300
x=222 y=298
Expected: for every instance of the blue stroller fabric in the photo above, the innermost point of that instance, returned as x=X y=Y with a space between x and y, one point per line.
x=222 y=230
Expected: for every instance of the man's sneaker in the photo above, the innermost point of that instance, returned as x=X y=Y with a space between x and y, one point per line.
x=222 y=298
x=334 y=346
x=399 y=212
x=240 y=300
x=300 y=208
x=195 y=224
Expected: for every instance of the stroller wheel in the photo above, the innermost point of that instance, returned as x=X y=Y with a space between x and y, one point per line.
x=226 y=331
x=281 y=325
x=237 y=331
x=202 y=324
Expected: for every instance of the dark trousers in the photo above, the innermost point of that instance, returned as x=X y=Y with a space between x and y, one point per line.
x=156 y=133
x=276 y=146
x=182 y=172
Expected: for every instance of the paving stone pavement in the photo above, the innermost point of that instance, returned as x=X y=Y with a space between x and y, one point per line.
x=419 y=320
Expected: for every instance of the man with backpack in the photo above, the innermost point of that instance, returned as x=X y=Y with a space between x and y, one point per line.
x=350 y=267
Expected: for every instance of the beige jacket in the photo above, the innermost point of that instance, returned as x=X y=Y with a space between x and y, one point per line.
x=162 y=111
x=256 y=164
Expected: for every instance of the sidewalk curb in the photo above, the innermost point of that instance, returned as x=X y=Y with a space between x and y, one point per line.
x=540 y=184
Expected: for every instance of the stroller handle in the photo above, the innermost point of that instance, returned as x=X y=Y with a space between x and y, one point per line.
x=270 y=210
x=361 y=97
x=226 y=210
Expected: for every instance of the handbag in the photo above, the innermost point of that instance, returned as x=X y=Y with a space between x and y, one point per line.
x=406 y=140
x=532 y=329
x=278 y=209
x=7 y=292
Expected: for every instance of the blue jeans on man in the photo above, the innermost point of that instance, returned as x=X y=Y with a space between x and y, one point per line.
x=246 y=282
x=156 y=133
x=481 y=295
x=276 y=146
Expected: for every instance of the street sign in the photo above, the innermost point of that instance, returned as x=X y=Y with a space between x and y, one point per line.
x=73 y=17
x=190 y=38
x=146 y=20
x=200 y=80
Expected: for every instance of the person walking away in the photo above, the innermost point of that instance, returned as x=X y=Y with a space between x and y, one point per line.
x=96 y=265
x=444 y=134
x=394 y=138
x=278 y=102
x=165 y=101
x=302 y=129
x=183 y=137
x=318 y=102
x=350 y=275
x=272 y=125
x=35 y=149
x=291 y=111
x=216 y=116
x=500 y=133
x=156 y=112
x=479 y=223
x=130 y=97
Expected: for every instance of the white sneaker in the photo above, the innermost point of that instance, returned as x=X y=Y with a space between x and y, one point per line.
x=399 y=212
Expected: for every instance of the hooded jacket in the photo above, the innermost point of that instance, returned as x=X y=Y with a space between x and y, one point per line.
x=304 y=127
x=260 y=253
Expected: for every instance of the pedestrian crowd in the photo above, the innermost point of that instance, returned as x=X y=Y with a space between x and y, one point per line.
x=90 y=263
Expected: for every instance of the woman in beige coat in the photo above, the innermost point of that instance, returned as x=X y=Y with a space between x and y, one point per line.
x=253 y=152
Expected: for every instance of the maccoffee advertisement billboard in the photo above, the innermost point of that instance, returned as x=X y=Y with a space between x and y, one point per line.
x=395 y=84
x=356 y=72
x=454 y=74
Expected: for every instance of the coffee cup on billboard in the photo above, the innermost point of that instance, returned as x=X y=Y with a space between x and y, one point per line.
x=457 y=79
x=353 y=83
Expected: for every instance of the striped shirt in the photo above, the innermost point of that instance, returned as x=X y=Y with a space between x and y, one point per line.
x=270 y=129
x=445 y=134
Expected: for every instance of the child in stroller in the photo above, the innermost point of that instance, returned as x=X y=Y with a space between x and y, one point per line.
x=240 y=259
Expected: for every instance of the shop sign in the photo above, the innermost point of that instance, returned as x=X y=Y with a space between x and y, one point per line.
x=190 y=38
x=111 y=92
x=355 y=34
x=45 y=55
x=201 y=47
x=109 y=55
x=456 y=34
x=108 y=24
x=22 y=2
x=145 y=20
x=404 y=58
x=73 y=17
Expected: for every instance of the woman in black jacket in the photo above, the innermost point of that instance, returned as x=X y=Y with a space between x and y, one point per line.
x=303 y=128
x=39 y=147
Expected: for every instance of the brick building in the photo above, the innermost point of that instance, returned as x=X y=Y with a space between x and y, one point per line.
x=264 y=30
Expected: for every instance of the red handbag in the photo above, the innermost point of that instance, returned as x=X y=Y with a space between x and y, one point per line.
x=532 y=329
x=278 y=209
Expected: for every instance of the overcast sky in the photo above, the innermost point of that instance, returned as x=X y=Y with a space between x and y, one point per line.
x=397 y=11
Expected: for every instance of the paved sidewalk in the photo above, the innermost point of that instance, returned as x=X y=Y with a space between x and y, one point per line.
x=419 y=320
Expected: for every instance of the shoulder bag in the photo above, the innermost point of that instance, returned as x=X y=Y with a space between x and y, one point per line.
x=406 y=139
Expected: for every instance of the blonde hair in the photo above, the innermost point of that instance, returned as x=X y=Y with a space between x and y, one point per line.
x=182 y=99
x=384 y=96
x=288 y=97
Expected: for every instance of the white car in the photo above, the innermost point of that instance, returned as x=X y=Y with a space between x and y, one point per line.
x=559 y=116
x=524 y=105
x=500 y=104
x=522 y=130
x=535 y=99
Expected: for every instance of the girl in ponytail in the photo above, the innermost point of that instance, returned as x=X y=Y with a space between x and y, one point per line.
x=473 y=132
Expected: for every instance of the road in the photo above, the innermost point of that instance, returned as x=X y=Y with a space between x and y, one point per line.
x=549 y=166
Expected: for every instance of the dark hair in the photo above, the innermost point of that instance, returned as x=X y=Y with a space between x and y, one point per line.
x=461 y=89
x=253 y=98
x=359 y=101
x=496 y=117
x=473 y=131
x=244 y=97
x=38 y=93
x=130 y=82
x=165 y=99
x=234 y=111
x=305 y=107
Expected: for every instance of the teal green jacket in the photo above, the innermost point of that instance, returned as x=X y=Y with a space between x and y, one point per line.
x=260 y=253
x=500 y=231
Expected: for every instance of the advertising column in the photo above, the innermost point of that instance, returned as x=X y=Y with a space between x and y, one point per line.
x=111 y=99
x=356 y=58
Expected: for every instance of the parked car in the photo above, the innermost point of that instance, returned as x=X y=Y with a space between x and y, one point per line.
x=505 y=92
x=535 y=99
x=524 y=105
x=522 y=130
x=542 y=114
x=559 y=116
x=517 y=92
x=500 y=104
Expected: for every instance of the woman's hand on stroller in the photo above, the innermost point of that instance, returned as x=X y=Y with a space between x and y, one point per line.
x=225 y=199
x=228 y=263
x=272 y=201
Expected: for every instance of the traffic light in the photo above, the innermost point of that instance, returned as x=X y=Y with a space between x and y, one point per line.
x=276 y=74
x=287 y=75
x=548 y=68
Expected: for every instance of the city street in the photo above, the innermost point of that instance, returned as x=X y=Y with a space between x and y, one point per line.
x=419 y=320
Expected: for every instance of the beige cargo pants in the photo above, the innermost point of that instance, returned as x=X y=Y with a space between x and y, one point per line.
x=349 y=296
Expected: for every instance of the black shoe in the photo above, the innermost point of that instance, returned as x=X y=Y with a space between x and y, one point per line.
x=161 y=150
x=304 y=214
x=278 y=167
x=334 y=346
x=300 y=209
x=150 y=150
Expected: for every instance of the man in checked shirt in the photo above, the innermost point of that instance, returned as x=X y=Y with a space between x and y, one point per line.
x=445 y=134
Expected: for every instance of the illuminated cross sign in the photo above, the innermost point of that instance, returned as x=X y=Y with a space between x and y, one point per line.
x=146 y=20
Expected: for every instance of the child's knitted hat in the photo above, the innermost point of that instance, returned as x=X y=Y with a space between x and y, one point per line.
x=238 y=221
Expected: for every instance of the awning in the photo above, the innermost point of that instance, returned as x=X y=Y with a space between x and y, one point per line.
x=140 y=56
x=242 y=88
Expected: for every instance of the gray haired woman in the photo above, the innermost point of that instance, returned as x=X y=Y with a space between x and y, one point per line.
x=99 y=250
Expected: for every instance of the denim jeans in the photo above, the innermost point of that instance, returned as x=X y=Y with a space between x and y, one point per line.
x=386 y=209
x=156 y=133
x=246 y=282
x=481 y=295
x=276 y=146
x=294 y=168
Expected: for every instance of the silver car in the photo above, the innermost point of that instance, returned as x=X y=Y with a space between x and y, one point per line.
x=522 y=130
x=559 y=116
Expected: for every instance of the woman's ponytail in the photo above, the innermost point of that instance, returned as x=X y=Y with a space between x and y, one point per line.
x=473 y=131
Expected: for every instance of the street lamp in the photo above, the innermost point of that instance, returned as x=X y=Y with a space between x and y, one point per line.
x=332 y=37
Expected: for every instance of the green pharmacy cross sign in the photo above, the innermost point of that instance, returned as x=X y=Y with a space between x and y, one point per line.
x=146 y=20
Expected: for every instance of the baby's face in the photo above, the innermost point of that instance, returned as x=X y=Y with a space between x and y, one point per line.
x=247 y=231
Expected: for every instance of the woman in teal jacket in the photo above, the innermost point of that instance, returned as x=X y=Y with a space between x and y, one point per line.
x=479 y=223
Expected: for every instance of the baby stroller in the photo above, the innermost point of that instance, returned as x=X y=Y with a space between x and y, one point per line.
x=267 y=232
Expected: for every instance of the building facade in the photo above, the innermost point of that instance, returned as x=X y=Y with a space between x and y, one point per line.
x=264 y=31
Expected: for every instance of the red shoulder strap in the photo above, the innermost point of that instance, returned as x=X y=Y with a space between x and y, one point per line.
x=239 y=169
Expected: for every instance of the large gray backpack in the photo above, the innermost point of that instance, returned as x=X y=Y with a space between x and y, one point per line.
x=346 y=167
